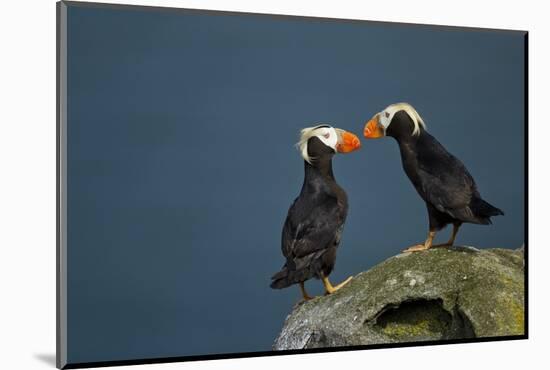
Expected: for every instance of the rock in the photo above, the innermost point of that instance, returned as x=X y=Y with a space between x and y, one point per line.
x=443 y=293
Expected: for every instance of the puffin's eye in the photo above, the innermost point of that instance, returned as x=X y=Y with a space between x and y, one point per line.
x=327 y=135
x=387 y=114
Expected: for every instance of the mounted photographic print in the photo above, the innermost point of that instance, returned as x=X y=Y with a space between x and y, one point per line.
x=234 y=184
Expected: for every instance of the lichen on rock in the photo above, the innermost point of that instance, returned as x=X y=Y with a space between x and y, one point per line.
x=443 y=293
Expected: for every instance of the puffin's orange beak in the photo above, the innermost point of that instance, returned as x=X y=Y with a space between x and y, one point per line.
x=373 y=129
x=347 y=142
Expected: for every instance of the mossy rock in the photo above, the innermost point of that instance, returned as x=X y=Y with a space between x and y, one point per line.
x=443 y=293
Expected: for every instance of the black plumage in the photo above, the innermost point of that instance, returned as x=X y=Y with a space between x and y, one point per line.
x=441 y=179
x=313 y=227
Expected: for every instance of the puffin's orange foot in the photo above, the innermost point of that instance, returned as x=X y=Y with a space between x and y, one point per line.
x=416 y=248
x=329 y=288
x=306 y=298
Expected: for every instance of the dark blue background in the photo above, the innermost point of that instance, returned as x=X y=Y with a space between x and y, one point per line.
x=182 y=166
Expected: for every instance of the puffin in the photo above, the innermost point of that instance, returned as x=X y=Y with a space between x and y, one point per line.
x=442 y=181
x=313 y=227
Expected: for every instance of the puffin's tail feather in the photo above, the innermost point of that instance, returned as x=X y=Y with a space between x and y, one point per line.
x=286 y=278
x=483 y=210
x=279 y=280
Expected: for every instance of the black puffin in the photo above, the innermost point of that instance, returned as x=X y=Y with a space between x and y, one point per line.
x=441 y=179
x=314 y=224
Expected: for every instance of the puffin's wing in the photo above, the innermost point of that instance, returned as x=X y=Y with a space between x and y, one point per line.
x=321 y=229
x=446 y=184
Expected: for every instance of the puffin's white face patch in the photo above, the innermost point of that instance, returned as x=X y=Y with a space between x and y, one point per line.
x=325 y=133
x=328 y=136
x=387 y=114
x=385 y=118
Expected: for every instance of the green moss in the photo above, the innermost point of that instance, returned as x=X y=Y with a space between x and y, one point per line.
x=422 y=329
x=510 y=319
x=518 y=313
x=418 y=320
